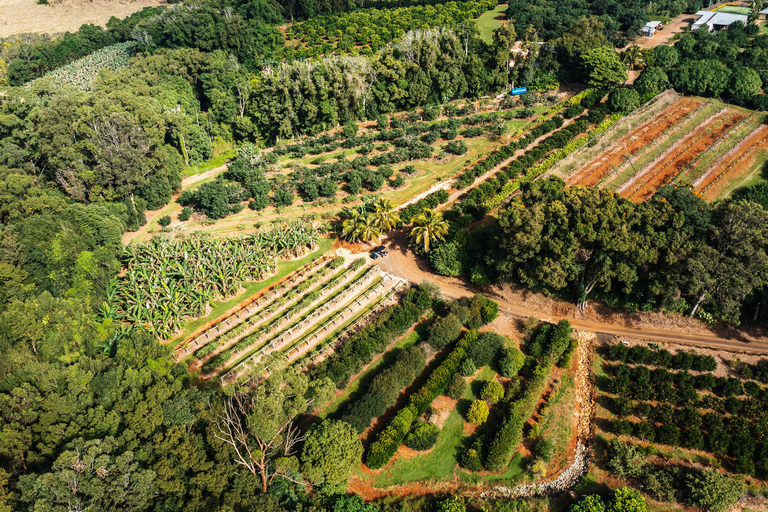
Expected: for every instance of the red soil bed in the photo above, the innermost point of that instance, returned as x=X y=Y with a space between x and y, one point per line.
x=680 y=155
x=631 y=143
x=732 y=165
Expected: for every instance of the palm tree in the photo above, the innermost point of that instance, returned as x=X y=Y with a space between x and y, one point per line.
x=428 y=227
x=360 y=227
x=384 y=216
x=634 y=57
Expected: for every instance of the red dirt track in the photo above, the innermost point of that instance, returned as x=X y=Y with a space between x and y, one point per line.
x=680 y=155
x=732 y=165
x=630 y=144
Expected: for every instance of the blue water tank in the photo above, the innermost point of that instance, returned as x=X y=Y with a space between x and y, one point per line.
x=517 y=91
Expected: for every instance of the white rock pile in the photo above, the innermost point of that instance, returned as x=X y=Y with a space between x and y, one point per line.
x=563 y=482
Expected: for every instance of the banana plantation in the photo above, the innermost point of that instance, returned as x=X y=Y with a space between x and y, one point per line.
x=168 y=280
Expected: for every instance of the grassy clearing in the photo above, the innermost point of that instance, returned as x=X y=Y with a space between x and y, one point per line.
x=217 y=161
x=735 y=9
x=556 y=422
x=489 y=21
x=283 y=268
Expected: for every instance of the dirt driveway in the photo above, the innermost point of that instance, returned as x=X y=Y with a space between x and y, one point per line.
x=668 y=32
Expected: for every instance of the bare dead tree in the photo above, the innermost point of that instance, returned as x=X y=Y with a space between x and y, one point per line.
x=254 y=452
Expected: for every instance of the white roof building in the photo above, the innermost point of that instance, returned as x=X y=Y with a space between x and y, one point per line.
x=650 y=28
x=717 y=20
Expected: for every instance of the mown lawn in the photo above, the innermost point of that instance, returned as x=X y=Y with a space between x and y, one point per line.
x=488 y=22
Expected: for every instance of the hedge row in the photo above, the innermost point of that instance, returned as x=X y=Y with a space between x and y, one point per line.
x=385 y=388
x=505 y=152
x=373 y=339
x=510 y=433
x=431 y=201
x=393 y=435
x=641 y=354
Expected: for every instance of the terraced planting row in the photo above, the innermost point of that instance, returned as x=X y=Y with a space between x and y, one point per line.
x=733 y=164
x=279 y=325
x=235 y=318
x=658 y=146
x=315 y=350
x=644 y=184
x=628 y=146
x=307 y=332
x=283 y=304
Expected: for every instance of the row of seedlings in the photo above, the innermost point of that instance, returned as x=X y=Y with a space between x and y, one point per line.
x=282 y=315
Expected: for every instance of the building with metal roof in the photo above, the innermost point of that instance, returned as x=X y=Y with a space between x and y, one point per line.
x=717 y=20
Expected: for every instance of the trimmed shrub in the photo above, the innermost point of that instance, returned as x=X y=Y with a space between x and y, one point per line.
x=384 y=389
x=467 y=368
x=492 y=392
x=423 y=437
x=511 y=361
x=472 y=458
x=363 y=346
x=456 y=387
x=444 y=331
x=478 y=412
x=185 y=214
x=164 y=221
x=393 y=435
x=486 y=349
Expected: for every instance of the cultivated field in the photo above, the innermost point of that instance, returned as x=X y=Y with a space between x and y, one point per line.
x=306 y=313
x=26 y=16
x=480 y=127
x=706 y=145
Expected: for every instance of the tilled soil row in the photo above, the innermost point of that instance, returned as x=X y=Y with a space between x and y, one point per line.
x=732 y=164
x=629 y=145
x=677 y=157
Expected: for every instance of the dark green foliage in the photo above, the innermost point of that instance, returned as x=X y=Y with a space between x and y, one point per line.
x=456 y=387
x=624 y=100
x=443 y=331
x=215 y=199
x=511 y=360
x=456 y=147
x=185 y=214
x=486 y=349
x=467 y=368
x=384 y=389
x=423 y=437
x=446 y=259
x=386 y=443
x=374 y=338
x=164 y=221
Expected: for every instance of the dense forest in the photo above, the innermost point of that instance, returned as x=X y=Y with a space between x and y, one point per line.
x=98 y=417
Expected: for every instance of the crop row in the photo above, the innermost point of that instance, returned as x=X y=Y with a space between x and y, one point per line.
x=346 y=331
x=166 y=280
x=298 y=329
x=510 y=433
x=269 y=309
x=260 y=336
x=393 y=435
x=214 y=334
x=259 y=345
x=534 y=172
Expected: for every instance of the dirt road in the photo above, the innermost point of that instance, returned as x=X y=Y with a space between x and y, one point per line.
x=401 y=262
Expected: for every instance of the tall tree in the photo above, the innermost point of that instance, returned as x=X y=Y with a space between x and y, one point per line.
x=429 y=227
